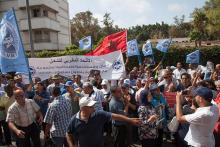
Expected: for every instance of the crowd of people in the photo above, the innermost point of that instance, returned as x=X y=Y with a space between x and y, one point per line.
x=95 y=112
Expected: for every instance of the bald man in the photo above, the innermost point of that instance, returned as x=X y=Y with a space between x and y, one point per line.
x=22 y=118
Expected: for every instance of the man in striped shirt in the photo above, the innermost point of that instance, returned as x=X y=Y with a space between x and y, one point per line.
x=21 y=118
x=57 y=118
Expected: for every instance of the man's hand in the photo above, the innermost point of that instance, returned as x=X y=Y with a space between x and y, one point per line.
x=152 y=119
x=179 y=97
x=37 y=97
x=20 y=133
x=135 y=121
x=40 y=119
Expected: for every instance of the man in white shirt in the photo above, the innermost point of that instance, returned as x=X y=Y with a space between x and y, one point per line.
x=201 y=122
x=178 y=71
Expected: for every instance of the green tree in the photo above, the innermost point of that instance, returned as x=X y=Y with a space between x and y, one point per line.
x=108 y=24
x=212 y=11
x=200 y=22
x=84 y=24
x=180 y=27
x=196 y=36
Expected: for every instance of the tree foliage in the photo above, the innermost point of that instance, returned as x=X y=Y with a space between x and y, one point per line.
x=205 y=25
x=84 y=24
x=212 y=11
x=180 y=28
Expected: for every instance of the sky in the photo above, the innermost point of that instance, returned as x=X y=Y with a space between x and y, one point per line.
x=127 y=13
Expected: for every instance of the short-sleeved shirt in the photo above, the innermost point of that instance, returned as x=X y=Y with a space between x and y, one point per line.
x=118 y=107
x=51 y=86
x=98 y=96
x=23 y=116
x=201 y=127
x=177 y=73
x=90 y=133
x=59 y=115
x=74 y=102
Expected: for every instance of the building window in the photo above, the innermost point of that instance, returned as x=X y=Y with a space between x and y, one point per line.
x=37 y=36
x=41 y=36
x=45 y=13
x=46 y=36
x=36 y=12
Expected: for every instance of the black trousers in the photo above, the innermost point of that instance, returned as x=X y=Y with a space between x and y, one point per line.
x=32 y=133
x=7 y=134
x=148 y=143
x=119 y=135
x=159 y=139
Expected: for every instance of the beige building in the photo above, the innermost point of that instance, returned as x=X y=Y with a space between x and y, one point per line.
x=50 y=22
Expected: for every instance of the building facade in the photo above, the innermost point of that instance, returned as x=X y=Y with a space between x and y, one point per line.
x=49 y=19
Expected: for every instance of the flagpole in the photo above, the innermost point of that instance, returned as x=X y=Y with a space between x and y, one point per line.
x=30 y=28
x=139 y=60
x=29 y=73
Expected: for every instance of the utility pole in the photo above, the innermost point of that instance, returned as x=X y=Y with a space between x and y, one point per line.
x=30 y=28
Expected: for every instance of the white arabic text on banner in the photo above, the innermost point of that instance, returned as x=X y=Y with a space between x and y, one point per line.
x=110 y=65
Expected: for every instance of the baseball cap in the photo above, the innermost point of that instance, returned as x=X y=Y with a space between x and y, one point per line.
x=127 y=81
x=69 y=83
x=153 y=86
x=86 y=101
x=55 y=77
x=104 y=82
x=204 y=92
x=125 y=85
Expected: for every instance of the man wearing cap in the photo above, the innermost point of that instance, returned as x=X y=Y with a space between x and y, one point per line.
x=93 y=94
x=57 y=118
x=56 y=83
x=160 y=103
x=86 y=127
x=201 y=122
x=72 y=96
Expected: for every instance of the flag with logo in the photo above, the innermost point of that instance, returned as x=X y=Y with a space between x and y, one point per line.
x=85 y=43
x=12 y=57
x=111 y=43
x=132 y=48
x=147 y=48
x=193 y=57
x=163 y=45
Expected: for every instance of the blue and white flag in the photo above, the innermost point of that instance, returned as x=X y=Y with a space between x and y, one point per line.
x=85 y=43
x=12 y=57
x=193 y=57
x=132 y=48
x=147 y=48
x=163 y=45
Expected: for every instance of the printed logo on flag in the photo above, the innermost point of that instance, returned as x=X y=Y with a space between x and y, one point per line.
x=193 y=56
x=132 y=48
x=85 y=43
x=166 y=44
x=147 y=48
x=9 y=46
x=117 y=65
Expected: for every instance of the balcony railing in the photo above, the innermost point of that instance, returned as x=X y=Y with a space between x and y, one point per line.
x=49 y=3
x=40 y=23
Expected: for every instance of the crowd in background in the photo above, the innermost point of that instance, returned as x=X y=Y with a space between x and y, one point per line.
x=71 y=111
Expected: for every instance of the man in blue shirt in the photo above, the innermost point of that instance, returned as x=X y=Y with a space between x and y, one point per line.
x=86 y=127
x=57 y=118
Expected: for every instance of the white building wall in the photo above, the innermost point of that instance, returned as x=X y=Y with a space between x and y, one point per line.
x=57 y=22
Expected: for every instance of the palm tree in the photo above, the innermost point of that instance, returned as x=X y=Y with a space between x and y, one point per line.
x=200 y=22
